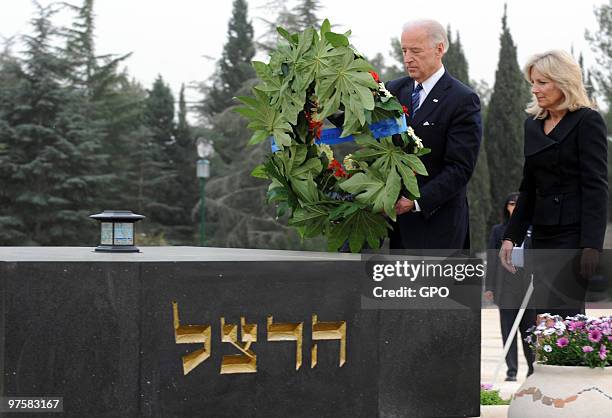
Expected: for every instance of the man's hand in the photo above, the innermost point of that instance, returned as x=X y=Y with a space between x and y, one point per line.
x=403 y=205
x=505 y=255
x=588 y=262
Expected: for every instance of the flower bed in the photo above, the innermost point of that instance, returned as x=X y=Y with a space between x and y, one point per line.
x=574 y=341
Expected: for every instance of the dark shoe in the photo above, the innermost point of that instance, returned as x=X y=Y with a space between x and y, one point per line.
x=530 y=372
x=510 y=379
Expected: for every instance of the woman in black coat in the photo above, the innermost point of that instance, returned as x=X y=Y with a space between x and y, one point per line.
x=564 y=191
x=508 y=291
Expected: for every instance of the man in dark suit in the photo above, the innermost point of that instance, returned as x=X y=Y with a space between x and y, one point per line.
x=445 y=114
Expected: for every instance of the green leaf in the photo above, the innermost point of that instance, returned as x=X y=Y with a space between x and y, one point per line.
x=360 y=227
x=320 y=56
x=285 y=34
x=348 y=84
x=312 y=218
x=391 y=195
x=265 y=120
x=298 y=172
x=336 y=39
x=325 y=27
x=368 y=188
x=423 y=151
x=260 y=172
x=415 y=164
x=258 y=136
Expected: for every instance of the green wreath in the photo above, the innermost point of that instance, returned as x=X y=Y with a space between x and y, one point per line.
x=311 y=77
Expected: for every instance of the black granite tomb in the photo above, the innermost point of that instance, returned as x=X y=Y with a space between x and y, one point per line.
x=102 y=332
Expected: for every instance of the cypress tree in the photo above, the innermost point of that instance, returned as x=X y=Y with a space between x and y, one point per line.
x=454 y=60
x=186 y=181
x=479 y=190
x=479 y=199
x=601 y=43
x=159 y=117
x=160 y=184
x=503 y=128
x=234 y=67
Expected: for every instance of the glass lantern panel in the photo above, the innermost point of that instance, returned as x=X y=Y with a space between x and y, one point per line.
x=106 y=233
x=124 y=234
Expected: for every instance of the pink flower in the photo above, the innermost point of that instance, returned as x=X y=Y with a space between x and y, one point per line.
x=562 y=342
x=595 y=336
x=603 y=352
x=575 y=325
x=587 y=349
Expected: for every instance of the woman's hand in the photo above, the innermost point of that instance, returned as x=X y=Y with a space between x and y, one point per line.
x=588 y=262
x=505 y=255
x=489 y=296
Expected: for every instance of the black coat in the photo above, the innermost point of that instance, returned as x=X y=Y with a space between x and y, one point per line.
x=449 y=123
x=565 y=179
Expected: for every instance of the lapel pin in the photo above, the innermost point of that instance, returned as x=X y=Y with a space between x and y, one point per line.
x=435 y=100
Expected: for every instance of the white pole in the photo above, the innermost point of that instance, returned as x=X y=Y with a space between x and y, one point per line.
x=514 y=329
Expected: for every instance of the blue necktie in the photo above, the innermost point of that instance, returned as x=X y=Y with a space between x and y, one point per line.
x=416 y=98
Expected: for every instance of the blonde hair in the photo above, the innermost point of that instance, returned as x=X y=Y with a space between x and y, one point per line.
x=562 y=68
x=435 y=31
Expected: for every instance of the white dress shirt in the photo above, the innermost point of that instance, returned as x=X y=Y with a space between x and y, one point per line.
x=428 y=85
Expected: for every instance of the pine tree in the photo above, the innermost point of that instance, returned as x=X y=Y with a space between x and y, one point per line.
x=11 y=78
x=234 y=68
x=306 y=12
x=284 y=18
x=53 y=154
x=98 y=74
x=503 y=130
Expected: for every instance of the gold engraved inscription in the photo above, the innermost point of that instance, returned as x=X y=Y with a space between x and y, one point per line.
x=239 y=363
x=328 y=331
x=191 y=334
x=246 y=361
x=287 y=331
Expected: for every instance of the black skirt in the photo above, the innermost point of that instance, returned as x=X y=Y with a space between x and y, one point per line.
x=555 y=261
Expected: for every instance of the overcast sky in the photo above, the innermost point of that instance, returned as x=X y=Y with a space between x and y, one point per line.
x=173 y=38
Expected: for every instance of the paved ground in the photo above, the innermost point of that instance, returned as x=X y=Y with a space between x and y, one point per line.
x=491 y=353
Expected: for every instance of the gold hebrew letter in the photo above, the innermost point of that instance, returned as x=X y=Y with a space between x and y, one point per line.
x=287 y=331
x=239 y=363
x=191 y=334
x=328 y=331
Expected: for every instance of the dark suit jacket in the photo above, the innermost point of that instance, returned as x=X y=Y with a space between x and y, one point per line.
x=565 y=178
x=449 y=123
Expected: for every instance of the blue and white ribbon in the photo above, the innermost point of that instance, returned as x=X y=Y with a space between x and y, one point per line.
x=380 y=129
